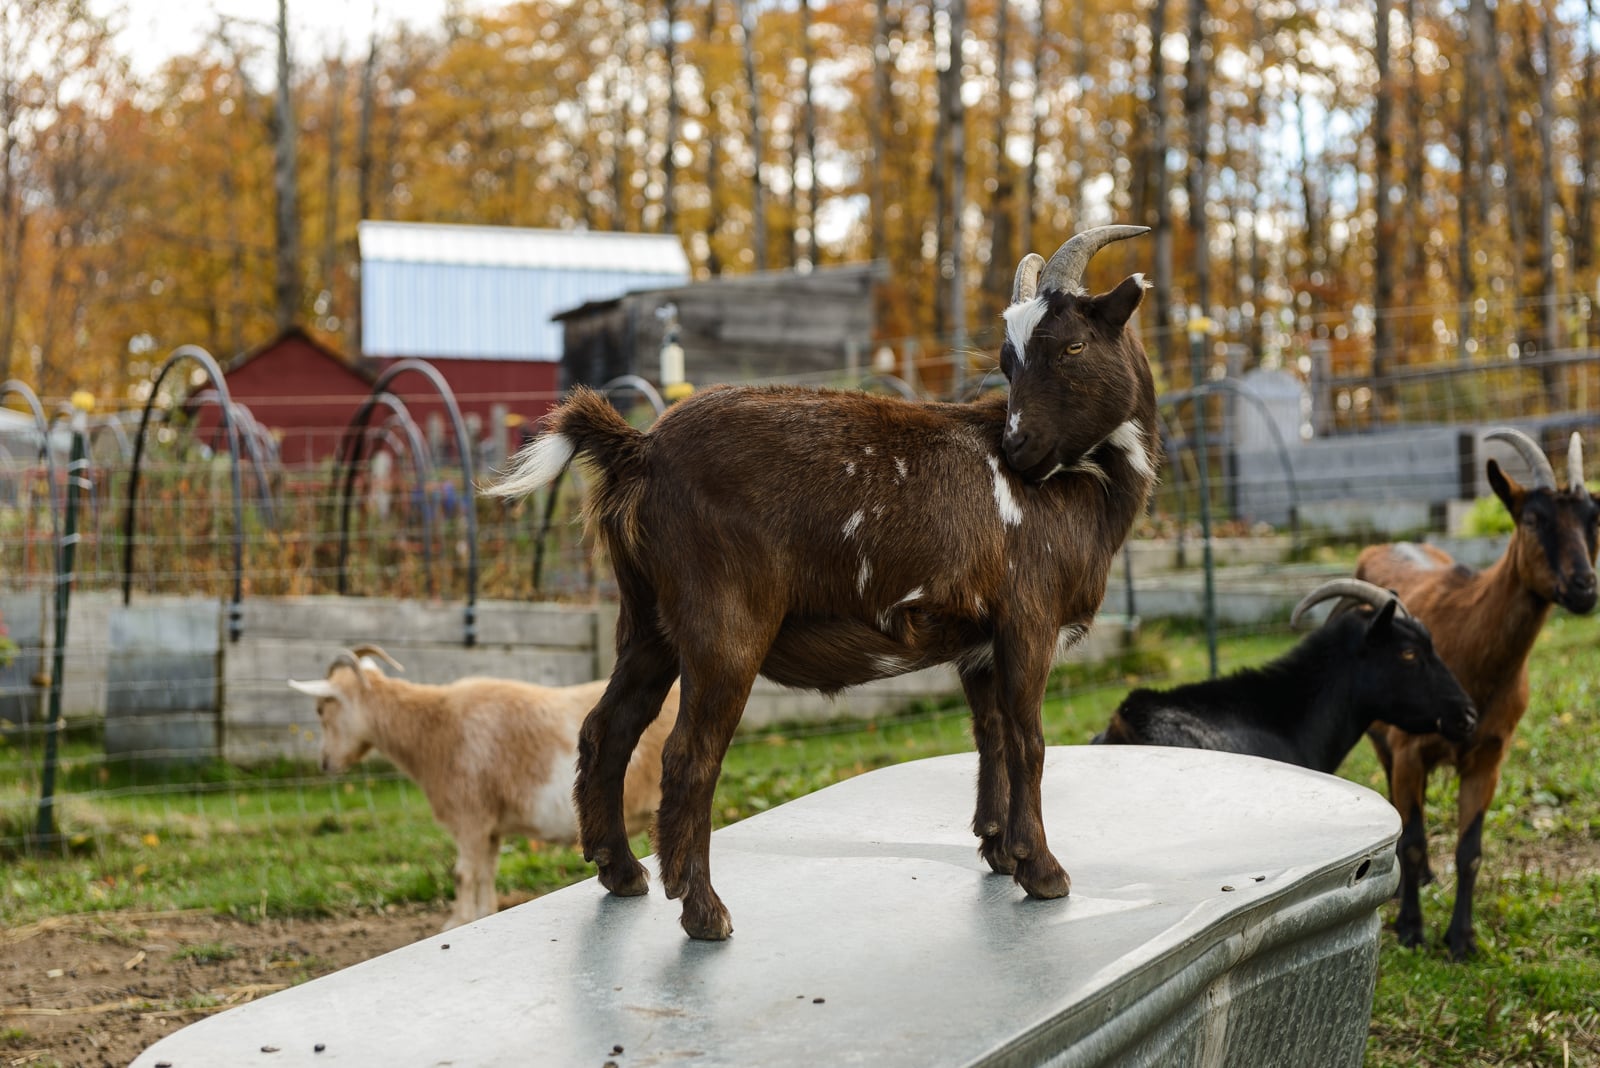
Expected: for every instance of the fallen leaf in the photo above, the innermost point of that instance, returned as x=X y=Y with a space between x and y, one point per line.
x=133 y=962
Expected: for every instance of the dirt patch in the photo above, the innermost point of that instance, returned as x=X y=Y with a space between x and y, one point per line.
x=97 y=989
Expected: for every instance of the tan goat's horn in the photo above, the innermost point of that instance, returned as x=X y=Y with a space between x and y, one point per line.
x=1365 y=592
x=377 y=651
x=346 y=658
x=1026 y=285
x=1575 y=462
x=1064 y=272
x=1544 y=476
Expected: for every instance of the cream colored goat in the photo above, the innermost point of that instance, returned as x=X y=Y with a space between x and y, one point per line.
x=493 y=756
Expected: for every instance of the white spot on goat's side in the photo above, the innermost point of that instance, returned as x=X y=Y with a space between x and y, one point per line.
x=900 y=468
x=977 y=658
x=1129 y=437
x=889 y=666
x=1069 y=636
x=535 y=466
x=1010 y=510
x=853 y=524
x=864 y=576
x=849 y=467
x=551 y=803
x=867 y=449
x=1413 y=556
x=1021 y=321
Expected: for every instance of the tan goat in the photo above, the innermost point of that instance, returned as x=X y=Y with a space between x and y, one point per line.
x=494 y=757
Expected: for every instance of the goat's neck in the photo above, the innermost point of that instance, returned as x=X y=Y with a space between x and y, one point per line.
x=407 y=723
x=1334 y=722
x=1505 y=619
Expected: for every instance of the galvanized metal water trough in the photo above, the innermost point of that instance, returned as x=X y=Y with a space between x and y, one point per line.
x=1223 y=912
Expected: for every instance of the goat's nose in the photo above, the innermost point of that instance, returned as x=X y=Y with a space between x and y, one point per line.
x=1014 y=443
x=1583 y=583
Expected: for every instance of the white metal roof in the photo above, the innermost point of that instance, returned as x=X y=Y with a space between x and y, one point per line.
x=513 y=246
x=488 y=292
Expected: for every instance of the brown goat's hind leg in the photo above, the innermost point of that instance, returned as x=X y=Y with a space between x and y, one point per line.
x=711 y=702
x=1022 y=667
x=990 y=817
x=639 y=683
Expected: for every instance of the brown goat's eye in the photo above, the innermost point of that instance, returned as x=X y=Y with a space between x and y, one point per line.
x=1408 y=655
x=1074 y=347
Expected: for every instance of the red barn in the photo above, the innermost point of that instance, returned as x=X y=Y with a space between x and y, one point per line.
x=300 y=390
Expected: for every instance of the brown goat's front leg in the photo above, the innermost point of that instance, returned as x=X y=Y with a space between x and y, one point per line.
x=990 y=817
x=715 y=688
x=1407 y=785
x=1480 y=775
x=644 y=673
x=1022 y=668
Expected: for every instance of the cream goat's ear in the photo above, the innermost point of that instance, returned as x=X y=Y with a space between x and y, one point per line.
x=315 y=688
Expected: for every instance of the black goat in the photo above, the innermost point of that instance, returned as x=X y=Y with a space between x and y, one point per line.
x=1313 y=704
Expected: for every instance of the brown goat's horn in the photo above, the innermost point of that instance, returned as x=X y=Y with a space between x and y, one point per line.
x=1544 y=476
x=1026 y=285
x=1064 y=272
x=377 y=651
x=1356 y=589
x=1575 y=462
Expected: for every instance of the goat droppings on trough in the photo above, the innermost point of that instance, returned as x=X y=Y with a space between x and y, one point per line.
x=723 y=525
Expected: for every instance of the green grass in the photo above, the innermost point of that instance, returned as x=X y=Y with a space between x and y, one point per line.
x=285 y=841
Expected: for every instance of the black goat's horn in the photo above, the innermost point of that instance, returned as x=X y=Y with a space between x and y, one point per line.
x=1544 y=476
x=1356 y=589
x=1575 y=462
x=377 y=651
x=1026 y=285
x=1064 y=272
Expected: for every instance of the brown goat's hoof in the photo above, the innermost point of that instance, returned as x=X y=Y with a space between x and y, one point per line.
x=1043 y=878
x=995 y=854
x=625 y=881
x=707 y=923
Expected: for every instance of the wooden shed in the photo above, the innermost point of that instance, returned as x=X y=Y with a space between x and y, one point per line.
x=773 y=326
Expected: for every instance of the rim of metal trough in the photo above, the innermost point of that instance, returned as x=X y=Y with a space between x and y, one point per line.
x=349 y=454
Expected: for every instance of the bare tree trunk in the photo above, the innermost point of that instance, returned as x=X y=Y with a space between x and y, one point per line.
x=1196 y=102
x=713 y=154
x=1383 y=247
x=878 y=239
x=1550 y=339
x=1030 y=190
x=1465 y=284
x=758 y=199
x=669 y=165
x=1515 y=223
x=330 y=193
x=1002 y=258
x=1080 y=51
x=286 y=289
x=958 y=193
x=1589 y=171
x=808 y=252
x=1162 y=222
x=1311 y=207
x=364 y=175
x=1414 y=270
x=1258 y=108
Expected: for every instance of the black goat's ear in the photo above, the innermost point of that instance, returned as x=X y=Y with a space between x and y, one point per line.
x=1117 y=307
x=1382 y=618
x=1008 y=359
x=1506 y=488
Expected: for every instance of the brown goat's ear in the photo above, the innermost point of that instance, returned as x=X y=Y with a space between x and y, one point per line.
x=1117 y=307
x=1506 y=488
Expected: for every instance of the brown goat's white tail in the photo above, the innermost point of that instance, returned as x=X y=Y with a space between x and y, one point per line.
x=536 y=466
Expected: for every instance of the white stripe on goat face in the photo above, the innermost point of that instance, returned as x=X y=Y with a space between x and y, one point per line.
x=1021 y=321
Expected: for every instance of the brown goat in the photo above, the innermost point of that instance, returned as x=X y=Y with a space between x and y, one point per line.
x=1484 y=625
x=825 y=539
x=494 y=756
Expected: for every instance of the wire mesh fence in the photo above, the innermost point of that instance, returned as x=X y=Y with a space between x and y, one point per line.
x=1295 y=482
